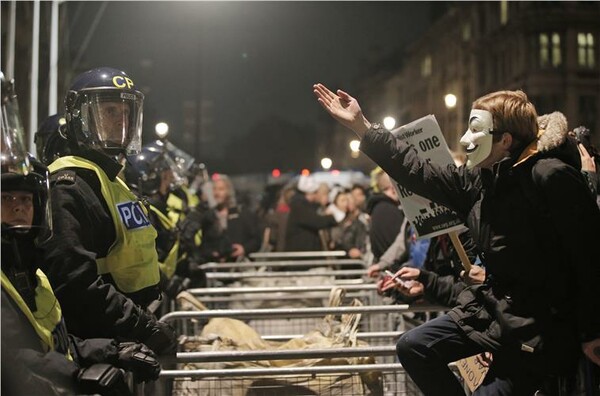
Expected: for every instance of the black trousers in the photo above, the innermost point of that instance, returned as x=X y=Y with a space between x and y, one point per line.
x=426 y=351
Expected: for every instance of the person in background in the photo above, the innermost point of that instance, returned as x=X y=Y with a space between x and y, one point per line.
x=359 y=193
x=304 y=223
x=242 y=227
x=353 y=236
x=388 y=224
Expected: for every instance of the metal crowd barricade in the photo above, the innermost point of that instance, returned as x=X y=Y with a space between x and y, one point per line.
x=283 y=264
x=267 y=381
x=296 y=255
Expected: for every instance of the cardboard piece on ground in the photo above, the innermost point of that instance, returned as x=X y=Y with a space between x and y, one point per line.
x=472 y=371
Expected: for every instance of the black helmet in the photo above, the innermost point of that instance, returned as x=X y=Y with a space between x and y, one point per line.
x=143 y=171
x=21 y=172
x=104 y=112
x=51 y=139
x=182 y=160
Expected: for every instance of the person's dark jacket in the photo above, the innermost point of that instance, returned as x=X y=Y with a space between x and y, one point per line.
x=244 y=228
x=303 y=225
x=536 y=228
x=386 y=221
x=83 y=230
x=26 y=367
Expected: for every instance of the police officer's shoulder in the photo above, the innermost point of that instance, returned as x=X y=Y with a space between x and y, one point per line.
x=64 y=176
x=76 y=176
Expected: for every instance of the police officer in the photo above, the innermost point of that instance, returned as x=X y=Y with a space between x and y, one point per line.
x=151 y=175
x=101 y=258
x=50 y=139
x=43 y=358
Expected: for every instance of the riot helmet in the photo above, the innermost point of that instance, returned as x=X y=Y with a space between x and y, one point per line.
x=104 y=110
x=144 y=171
x=24 y=180
x=182 y=160
x=51 y=139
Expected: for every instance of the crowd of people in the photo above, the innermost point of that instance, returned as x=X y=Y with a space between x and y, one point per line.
x=98 y=229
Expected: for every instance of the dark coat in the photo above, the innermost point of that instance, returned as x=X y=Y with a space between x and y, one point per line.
x=83 y=230
x=244 y=227
x=386 y=221
x=536 y=228
x=302 y=233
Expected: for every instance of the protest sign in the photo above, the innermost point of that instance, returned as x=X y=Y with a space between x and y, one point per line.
x=429 y=218
x=472 y=372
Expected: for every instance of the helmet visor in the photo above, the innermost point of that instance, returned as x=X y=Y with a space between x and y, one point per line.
x=183 y=160
x=13 y=153
x=112 y=120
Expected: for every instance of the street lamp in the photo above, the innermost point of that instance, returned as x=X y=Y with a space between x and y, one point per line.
x=389 y=123
x=161 y=129
x=326 y=163
x=354 y=148
x=450 y=101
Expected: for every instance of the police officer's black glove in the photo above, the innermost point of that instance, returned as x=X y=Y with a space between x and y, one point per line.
x=176 y=285
x=103 y=379
x=189 y=228
x=161 y=338
x=139 y=359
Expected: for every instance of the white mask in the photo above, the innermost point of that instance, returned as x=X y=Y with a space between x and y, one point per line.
x=478 y=139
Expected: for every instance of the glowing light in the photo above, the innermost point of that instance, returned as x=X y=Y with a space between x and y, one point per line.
x=450 y=100
x=355 y=146
x=389 y=122
x=275 y=172
x=335 y=172
x=161 y=129
x=305 y=172
x=326 y=163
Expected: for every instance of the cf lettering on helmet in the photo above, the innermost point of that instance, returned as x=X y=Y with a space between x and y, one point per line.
x=122 y=82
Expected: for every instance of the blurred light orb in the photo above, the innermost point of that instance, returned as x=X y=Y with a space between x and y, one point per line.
x=161 y=129
x=355 y=146
x=389 y=122
x=326 y=163
x=450 y=100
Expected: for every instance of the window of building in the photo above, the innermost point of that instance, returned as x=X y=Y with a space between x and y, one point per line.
x=549 y=49
x=466 y=32
x=556 y=52
x=503 y=12
x=585 y=50
x=426 y=66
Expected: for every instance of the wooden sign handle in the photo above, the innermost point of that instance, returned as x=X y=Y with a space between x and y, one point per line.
x=460 y=250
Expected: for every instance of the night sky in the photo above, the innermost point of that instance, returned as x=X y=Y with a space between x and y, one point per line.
x=253 y=60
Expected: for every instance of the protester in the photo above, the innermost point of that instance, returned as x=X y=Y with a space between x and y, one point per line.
x=102 y=258
x=238 y=224
x=351 y=235
x=527 y=205
x=387 y=224
x=304 y=223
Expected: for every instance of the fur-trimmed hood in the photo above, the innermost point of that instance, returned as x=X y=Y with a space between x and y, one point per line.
x=552 y=141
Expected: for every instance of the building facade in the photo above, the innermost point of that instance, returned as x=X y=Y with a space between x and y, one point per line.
x=548 y=49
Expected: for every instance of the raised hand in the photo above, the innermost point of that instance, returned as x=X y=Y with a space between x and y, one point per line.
x=343 y=107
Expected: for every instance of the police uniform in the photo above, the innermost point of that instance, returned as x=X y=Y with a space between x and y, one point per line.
x=87 y=233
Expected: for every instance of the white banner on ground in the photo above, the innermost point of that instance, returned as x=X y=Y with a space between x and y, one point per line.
x=428 y=218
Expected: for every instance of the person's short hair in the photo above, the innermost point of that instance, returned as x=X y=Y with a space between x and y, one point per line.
x=513 y=113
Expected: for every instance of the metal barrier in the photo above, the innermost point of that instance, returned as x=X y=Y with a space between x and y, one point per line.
x=293 y=255
x=284 y=263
